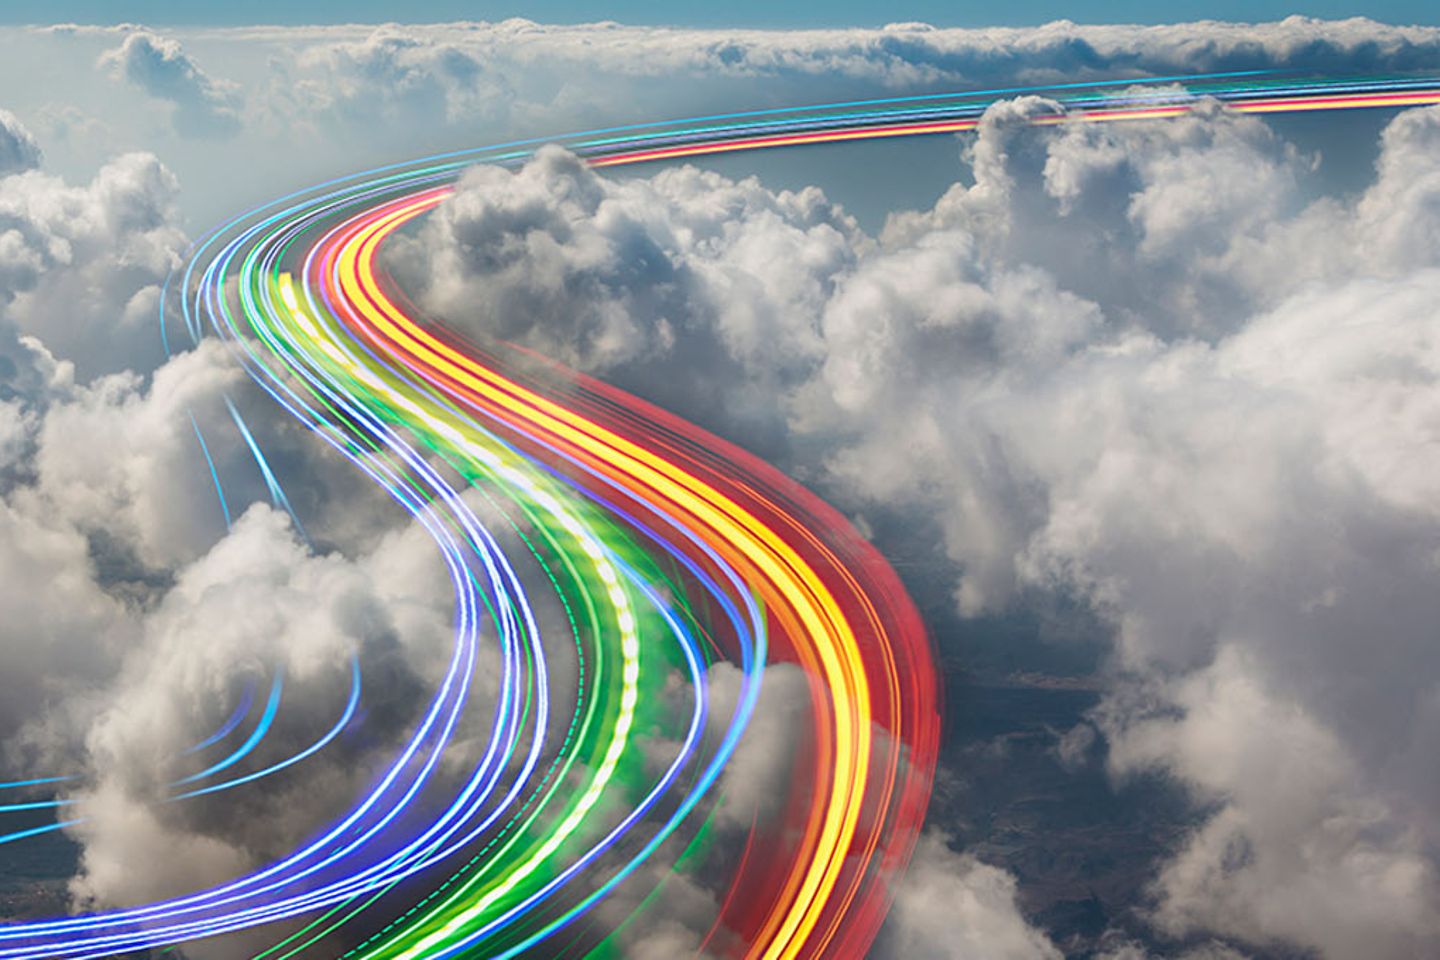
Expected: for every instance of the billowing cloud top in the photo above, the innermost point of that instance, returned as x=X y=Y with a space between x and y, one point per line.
x=18 y=149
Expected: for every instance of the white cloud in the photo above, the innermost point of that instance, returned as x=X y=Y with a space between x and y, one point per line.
x=203 y=106
x=62 y=634
x=81 y=267
x=395 y=76
x=263 y=603
x=18 y=149
x=313 y=95
x=1398 y=219
x=900 y=54
x=1253 y=515
x=115 y=457
x=1112 y=366
x=1304 y=849
x=115 y=558
x=951 y=906
x=616 y=276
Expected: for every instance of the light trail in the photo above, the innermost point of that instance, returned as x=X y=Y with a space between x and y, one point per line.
x=673 y=563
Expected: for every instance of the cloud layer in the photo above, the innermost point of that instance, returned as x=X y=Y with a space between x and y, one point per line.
x=1134 y=365
x=1153 y=369
x=281 y=108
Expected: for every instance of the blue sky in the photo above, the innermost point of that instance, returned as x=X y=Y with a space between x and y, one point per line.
x=756 y=13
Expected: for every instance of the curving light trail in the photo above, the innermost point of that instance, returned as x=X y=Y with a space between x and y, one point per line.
x=623 y=583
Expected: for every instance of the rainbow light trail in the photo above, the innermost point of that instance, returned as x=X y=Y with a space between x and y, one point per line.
x=651 y=552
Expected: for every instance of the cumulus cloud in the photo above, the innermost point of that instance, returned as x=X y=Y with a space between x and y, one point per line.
x=264 y=603
x=115 y=556
x=1227 y=491
x=314 y=96
x=81 y=266
x=118 y=561
x=323 y=90
x=203 y=105
x=1305 y=847
x=614 y=276
x=67 y=255
x=63 y=633
x=113 y=568
x=18 y=149
x=951 y=906
x=1132 y=364
x=1130 y=950
x=397 y=78
x=151 y=495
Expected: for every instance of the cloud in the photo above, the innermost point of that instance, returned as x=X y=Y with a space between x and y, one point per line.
x=1214 y=472
x=18 y=149
x=81 y=267
x=63 y=633
x=1305 y=847
x=950 y=906
x=1397 y=219
x=902 y=54
x=264 y=603
x=115 y=560
x=314 y=96
x=1134 y=951
x=1114 y=368
x=614 y=277
x=151 y=495
x=203 y=105
x=400 y=79
x=114 y=553
x=319 y=92
x=67 y=254
x=1228 y=493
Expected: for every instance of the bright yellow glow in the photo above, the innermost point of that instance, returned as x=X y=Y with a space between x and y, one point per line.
x=781 y=574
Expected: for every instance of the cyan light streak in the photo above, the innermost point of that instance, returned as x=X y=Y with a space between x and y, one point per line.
x=214 y=477
x=267 y=718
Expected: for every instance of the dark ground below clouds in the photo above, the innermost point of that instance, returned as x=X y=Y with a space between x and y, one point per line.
x=35 y=872
x=1081 y=852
